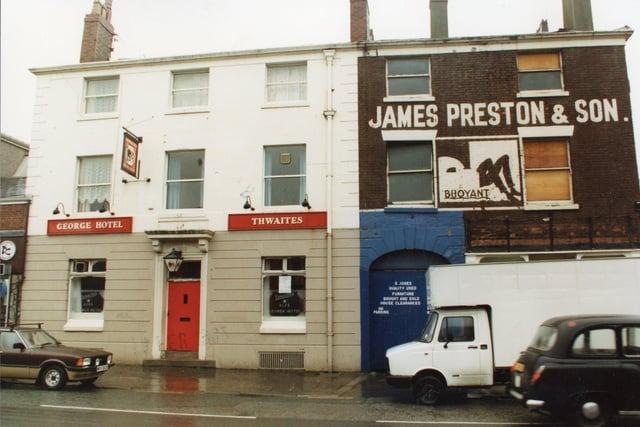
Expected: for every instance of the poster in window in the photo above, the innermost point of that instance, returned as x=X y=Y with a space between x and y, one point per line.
x=130 y=163
x=285 y=304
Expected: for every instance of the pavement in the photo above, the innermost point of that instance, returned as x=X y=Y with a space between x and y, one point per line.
x=274 y=383
x=240 y=382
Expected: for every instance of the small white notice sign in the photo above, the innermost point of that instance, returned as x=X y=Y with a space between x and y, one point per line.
x=284 y=284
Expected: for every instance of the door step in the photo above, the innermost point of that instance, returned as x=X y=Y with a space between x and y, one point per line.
x=180 y=355
x=166 y=363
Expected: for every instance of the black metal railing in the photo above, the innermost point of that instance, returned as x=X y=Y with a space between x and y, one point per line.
x=552 y=234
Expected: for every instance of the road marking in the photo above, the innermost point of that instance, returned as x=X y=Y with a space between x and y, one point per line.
x=474 y=423
x=133 y=411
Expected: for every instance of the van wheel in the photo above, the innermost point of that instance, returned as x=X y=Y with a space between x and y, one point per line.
x=428 y=390
x=590 y=411
x=53 y=377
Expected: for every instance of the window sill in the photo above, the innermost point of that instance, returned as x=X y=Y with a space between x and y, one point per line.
x=411 y=209
x=283 y=327
x=177 y=111
x=84 y=325
x=408 y=98
x=542 y=93
x=105 y=116
x=550 y=206
x=285 y=105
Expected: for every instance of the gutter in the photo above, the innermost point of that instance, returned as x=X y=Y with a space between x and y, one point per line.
x=622 y=33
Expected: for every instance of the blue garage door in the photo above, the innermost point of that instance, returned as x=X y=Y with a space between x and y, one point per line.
x=398 y=300
x=398 y=310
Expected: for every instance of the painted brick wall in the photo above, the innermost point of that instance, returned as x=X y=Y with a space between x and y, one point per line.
x=605 y=178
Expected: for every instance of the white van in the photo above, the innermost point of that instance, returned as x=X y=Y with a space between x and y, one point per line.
x=485 y=314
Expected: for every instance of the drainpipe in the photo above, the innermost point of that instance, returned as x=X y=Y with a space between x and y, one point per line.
x=329 y=113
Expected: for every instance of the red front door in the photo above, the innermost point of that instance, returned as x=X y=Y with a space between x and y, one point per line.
x=183 y=316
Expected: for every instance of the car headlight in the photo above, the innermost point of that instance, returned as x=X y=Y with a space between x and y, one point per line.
x=109 y=359
x=86 y=361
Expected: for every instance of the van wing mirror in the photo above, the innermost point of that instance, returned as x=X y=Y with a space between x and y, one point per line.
x=19 y=345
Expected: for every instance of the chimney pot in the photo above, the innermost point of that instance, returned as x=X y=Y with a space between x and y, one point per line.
x=577 y=15
x=360 y=31
x=439 y=19
x=97 y=37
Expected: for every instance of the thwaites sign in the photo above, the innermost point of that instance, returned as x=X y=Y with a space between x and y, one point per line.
x=62 y=227
x=277 y=221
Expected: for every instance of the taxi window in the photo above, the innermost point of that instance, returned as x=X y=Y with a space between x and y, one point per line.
x=595 y=343
x=631 y=341
x=545 y=338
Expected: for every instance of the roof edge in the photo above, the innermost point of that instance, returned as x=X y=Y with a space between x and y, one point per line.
x=14 y=141
x=624 y=32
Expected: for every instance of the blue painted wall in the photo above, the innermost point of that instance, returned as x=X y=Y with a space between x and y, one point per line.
x=397 y=229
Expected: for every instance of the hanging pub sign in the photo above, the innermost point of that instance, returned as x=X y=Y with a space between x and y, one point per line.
x=277 y=221
x=130 y=163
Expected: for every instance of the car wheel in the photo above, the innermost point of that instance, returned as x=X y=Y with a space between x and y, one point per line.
x=590 y=411
x=428 y=390
x=53 y=377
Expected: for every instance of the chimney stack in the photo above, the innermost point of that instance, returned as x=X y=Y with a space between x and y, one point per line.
x=577 y=15
x=97 y=38
x=439 y=19
x=360 y=31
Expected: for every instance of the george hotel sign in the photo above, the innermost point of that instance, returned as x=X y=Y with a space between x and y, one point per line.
x=61 y=227
x=278 y=221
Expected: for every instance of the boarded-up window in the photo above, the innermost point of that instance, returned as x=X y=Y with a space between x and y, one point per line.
x=539 y=71
x=547 y=170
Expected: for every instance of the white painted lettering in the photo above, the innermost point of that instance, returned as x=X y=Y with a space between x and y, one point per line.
x=580 y=106
x=389 y=118
x=610 y=110
x=492 y=111
x=404 y=116
x=478 y=112
x=378 y=121
x=432 y=115
x=418 y=115
x=453 y=112
x=537 y=113
x=507 y=106
x=466 y=115
x=522 y=113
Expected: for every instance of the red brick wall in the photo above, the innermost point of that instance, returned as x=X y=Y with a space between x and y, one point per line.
x=359 y=20
x=14 y=217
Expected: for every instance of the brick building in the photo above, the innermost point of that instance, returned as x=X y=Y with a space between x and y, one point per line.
x=14 y=213
x=488 y=149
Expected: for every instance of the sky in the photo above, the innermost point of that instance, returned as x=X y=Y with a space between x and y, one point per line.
x=37 y=33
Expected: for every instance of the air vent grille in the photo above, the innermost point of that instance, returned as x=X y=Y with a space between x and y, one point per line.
x=281 y=360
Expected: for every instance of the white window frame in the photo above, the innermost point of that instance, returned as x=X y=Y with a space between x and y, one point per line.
x=167 y=181
x=413 y=97
x=191 y=108
x=101 y=184
x=422 y=203
x=265 y=176
x=546 y=92
x=284 y=324
x=85 y=96
x=84 y=321
x=287 y=103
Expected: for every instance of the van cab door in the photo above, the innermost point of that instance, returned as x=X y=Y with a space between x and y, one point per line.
x=457 y=348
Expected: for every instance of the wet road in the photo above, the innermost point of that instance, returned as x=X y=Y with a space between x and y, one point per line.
x=368 y=402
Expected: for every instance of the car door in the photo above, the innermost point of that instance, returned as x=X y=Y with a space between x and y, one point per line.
x=457 y=350
x=628 y=394
x=13 y=361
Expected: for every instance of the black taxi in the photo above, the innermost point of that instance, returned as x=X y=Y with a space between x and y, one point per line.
x=583 y=368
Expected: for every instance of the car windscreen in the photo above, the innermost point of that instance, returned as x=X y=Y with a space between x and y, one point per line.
x=429 y=329
x=545 y=338
x=38 y=338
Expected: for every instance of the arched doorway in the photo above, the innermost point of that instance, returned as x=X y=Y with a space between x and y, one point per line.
x=397 y=300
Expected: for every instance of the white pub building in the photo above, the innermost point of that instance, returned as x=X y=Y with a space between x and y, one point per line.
x=200 y=207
